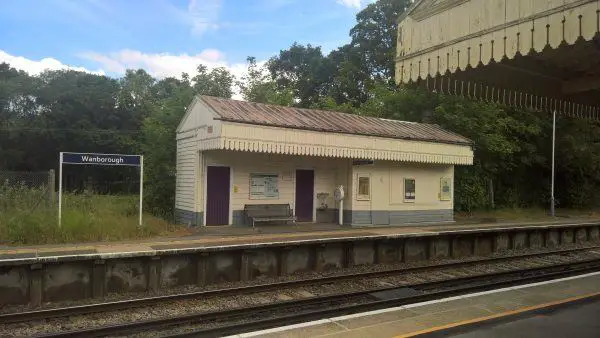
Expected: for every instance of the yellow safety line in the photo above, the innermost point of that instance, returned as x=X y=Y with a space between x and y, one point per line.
x=499 y=315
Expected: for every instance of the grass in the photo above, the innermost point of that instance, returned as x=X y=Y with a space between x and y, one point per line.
x=26 y=217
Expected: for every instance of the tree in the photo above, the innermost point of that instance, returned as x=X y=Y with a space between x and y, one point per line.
x=216 y=82
x=578 y=162
x=304 y=71
x=257 y=86
x=375 y=34
x=159 y=130
x=135 y=99
x=351 y=82
x=159 y=145
x=67 y=110
x=17 y=113
x=137 y=85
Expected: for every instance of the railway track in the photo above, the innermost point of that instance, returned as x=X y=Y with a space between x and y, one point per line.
x=252 y=319
x=151 y=301
x=400 y=287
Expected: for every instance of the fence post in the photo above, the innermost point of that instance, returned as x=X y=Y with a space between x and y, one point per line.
x=51 y=186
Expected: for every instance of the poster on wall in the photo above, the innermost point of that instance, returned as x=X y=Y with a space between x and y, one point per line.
x=264 y=186
x=445 y=189
x=409 y=189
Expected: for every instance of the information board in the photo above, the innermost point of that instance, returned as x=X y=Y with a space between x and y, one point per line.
x=445 y=189
x=264 y=186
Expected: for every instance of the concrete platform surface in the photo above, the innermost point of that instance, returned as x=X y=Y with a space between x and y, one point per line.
x=575 y=320
x=435 y=318
x=224 y=236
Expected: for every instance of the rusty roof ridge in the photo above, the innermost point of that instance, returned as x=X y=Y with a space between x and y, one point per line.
x=270 y=105
x=254 y=113
x=409 y=138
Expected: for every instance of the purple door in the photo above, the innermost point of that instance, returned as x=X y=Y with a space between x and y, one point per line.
x=305 y=184
x=217 y=195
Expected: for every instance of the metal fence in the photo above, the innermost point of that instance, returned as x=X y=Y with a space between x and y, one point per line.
x=27 y=190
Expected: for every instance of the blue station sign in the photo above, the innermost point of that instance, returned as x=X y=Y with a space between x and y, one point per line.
x=101 y=159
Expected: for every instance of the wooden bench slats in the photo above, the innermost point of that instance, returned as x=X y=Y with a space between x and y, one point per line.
x=269 y=212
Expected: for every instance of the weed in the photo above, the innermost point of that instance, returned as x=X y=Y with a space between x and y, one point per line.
x=27 y=218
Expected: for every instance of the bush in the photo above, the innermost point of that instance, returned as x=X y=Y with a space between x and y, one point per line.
x=470 y=191
x=85 y=218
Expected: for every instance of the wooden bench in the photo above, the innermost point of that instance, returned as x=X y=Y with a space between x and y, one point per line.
x=269 y=213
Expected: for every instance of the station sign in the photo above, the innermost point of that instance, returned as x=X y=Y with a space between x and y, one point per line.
x=101 y=159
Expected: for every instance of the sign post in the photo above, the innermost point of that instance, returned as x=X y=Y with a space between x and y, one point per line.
x=60 y=191
x=552 y=201
x=141 y=186
x=99 y=159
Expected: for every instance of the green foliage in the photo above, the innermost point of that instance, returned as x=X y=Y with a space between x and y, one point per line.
x=374 y=37
x=160 y=129
x=303 y=70
x=257 y=86
x=86 y=218
x=578 y=165
x=470 y=189
x=351 y=80
x=73 y=111
x=217 y=82
x=159 y=148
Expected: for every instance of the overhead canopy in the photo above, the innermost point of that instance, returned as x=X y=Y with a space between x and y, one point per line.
x=246 y=126
x=541 y=54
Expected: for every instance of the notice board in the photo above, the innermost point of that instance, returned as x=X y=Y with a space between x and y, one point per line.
x=264 y=186
x=445 y=189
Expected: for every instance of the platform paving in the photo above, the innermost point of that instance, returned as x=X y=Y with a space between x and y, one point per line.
x=575 y=320
x=230 y=236
x=410 y=320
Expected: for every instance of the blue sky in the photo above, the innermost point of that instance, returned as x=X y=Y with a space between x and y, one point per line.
x=165 y=37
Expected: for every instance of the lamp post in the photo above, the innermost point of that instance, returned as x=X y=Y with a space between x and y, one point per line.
x=553 y=150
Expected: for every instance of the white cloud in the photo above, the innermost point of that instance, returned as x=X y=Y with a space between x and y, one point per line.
x=162 y=65
x=35 y=67
x=159 y=65
x=355 y=4
x=349 y=3
x=202 y=15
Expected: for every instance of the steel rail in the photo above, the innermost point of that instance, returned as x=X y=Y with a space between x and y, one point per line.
x=323 y=304
x=279 y=321
x=150 y=301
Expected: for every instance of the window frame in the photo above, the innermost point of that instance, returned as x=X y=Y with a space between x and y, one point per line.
x=409 y=200
x=359 y=196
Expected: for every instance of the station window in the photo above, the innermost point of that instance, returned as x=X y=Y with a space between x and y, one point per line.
x=364 y=187
x=409 y=190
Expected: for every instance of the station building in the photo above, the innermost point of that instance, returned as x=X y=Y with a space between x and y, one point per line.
x=233 y=153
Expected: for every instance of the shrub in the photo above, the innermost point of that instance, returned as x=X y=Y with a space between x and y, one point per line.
x=24 y=219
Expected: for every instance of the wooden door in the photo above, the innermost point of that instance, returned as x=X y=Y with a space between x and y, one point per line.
x=217 y=195
x=305 y=188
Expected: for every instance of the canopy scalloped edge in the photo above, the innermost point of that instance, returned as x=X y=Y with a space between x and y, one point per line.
x=550 y=28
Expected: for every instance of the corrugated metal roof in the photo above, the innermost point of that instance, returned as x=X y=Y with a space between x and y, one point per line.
x=328 y=121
